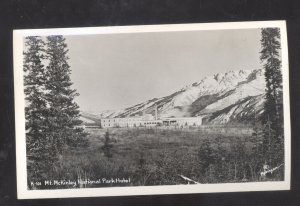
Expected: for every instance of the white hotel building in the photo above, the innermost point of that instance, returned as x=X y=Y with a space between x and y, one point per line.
x=148 y=120
x=141 y=122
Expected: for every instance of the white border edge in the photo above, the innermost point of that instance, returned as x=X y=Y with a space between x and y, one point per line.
x=286 y=100
x=22 y=191
x=19 y=113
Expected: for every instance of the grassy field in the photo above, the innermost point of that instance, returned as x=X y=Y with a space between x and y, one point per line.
x=159 y=156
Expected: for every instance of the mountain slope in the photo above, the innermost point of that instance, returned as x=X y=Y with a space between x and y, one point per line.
x=221 y=98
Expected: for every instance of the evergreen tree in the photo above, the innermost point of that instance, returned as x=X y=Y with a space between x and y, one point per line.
x=63 y=113
x=272 y=118
x=34 y=86
x=270 y=56
x=51 y=113
x=107 y=145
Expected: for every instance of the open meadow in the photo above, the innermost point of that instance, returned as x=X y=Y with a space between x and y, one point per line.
x=162 y=156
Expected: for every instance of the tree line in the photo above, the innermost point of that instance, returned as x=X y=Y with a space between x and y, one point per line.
x=52 y=116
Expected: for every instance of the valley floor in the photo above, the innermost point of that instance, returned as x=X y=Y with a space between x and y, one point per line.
x=162 y=156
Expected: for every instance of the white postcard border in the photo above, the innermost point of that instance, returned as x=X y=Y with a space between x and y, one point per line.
x=24 y=193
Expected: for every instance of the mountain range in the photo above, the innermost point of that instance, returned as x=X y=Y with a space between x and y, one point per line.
x=233 y=96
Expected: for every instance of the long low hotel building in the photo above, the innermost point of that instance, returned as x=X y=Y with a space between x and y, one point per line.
x=149 y=120
x=142 y=122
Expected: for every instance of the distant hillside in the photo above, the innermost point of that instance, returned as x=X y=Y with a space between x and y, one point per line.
x=221 y=98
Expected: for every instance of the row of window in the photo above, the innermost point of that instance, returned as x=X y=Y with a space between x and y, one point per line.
x=150 y=123
x=130 y=120
x=119 y=120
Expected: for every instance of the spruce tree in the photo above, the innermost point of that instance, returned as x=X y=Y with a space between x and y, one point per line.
x=270 y=56
x=51 y=113
x=63 y=113
x=35 y=109
x=272 y=118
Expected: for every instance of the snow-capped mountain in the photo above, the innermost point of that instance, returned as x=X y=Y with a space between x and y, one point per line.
x=221 y=98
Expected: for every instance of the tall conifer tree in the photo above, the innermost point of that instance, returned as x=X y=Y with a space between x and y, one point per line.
x=35 y=109
x=63 y=113
x=270 y=56
x=51 y=113
x=273 y=114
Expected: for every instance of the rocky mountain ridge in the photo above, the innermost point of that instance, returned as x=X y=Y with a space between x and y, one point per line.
x=221 y=98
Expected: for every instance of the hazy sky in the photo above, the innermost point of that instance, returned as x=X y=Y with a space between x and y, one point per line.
x=112 y=71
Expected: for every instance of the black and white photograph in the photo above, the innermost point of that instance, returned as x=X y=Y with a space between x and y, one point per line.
x=160 y=109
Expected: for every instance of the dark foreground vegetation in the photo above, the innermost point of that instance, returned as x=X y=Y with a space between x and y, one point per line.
x=158 y=156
